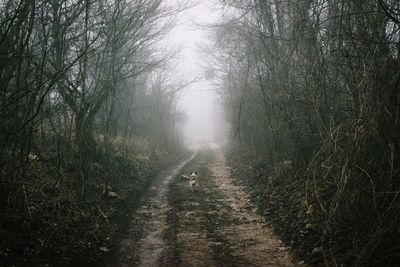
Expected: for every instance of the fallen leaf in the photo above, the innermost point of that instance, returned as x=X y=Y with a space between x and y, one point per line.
x=104 y=249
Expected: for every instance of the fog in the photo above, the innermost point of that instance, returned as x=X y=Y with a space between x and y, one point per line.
x=199 y=101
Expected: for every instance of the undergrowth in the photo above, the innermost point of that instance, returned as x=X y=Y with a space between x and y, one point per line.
x=51 y=218
x=340 y=209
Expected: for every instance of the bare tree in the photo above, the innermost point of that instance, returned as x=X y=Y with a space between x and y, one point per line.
x=74 y=117
x=315 y=84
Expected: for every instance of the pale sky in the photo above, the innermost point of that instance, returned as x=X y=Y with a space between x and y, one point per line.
x=198 y=100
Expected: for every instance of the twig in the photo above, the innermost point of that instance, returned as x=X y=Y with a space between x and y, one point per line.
x=104 y=216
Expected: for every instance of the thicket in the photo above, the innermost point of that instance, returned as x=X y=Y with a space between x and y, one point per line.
x=88 y=115
x=311 y=90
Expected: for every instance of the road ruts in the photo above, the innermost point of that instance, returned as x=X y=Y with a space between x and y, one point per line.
x=217 y=225
x=144 y=244
x=214 y=226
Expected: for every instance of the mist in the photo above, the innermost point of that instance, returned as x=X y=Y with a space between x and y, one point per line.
x=199 y=101
x=199 y=133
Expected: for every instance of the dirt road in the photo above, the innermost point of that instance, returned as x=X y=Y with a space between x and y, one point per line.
x=213 y=226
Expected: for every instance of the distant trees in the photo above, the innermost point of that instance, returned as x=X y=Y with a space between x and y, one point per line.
x=317 y=83
x=81 y=84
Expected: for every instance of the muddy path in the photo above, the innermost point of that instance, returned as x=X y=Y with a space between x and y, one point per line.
x=144 y=243
x=214 y=226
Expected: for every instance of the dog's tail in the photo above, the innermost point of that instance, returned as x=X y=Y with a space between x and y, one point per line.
x=185 y=177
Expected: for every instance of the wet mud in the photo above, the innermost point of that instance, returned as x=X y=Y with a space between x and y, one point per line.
x=216 y=225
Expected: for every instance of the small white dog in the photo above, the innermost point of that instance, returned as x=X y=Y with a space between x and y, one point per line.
x=192 y=180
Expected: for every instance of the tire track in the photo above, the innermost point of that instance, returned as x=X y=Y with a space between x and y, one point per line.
x=217 y=225
x=145 y=244
x=214 y=226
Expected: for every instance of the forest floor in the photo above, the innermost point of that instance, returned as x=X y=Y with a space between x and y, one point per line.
x=216 y=225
